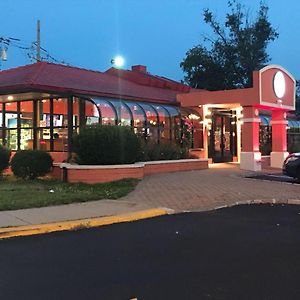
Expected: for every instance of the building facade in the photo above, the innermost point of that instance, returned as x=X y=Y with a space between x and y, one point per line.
x=42 y=105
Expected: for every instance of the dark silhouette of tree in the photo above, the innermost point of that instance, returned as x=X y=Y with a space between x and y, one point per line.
x=237 y=48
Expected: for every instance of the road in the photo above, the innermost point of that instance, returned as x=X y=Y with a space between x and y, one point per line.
x=244 y=252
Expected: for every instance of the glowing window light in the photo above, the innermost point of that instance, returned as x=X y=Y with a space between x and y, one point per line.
x=279 y=84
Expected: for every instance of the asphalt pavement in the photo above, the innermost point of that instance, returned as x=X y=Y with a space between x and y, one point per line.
x=242 y=252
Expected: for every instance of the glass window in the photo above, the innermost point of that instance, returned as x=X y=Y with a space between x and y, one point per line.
x=91 y=113
x=26 y=139
x=137 y=113
x=43 y=108
x=173 y=111
x=60 y=112
x=139 y=119
x=124 y=116
x=26 y=114
x=164 y=123
x=60 y=123
x=11 y=115
x=151 y=122
x=26 y=125
x=60 y=139
x=175 y=122
x=108 y=116
x=12 y=139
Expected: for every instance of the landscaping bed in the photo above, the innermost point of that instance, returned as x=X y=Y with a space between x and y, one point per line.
x=106 y=173
x=18 y=194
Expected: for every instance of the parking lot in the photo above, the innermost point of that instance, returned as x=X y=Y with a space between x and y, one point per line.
x=243 y=252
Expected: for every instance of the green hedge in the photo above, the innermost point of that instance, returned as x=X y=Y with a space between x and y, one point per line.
x=106 y=145
x=30 y=164
x=164 y=151
x=4 y=158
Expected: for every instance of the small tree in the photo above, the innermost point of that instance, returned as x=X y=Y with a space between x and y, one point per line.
x=4 y=159
x=236 y=49
x=30 y=164
x=106 y=145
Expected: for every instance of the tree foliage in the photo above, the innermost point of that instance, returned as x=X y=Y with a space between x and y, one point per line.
x=237 y=48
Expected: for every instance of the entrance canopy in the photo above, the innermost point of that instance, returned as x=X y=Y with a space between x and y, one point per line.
x=273 y=88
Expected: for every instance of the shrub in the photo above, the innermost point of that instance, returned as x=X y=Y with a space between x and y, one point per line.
x=106 y=145
x=164 y=151
x=4 y=158
x=30 y=164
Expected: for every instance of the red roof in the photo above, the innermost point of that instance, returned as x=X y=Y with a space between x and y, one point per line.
x=139 y=75
x=61 y=79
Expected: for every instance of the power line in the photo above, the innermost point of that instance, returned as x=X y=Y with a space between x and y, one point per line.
x=30 y=49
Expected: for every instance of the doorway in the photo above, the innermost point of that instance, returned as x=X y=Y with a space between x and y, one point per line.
x=223 y=137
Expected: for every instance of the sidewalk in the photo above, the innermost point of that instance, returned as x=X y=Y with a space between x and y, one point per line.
x=221 y=185
x=92 y=209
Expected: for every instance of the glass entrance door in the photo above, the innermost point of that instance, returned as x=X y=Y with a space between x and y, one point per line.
x=223 y=136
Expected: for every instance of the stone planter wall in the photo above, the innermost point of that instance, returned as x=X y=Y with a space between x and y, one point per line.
x=96 y=174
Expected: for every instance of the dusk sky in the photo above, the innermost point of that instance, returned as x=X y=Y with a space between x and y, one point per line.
x=155 y=33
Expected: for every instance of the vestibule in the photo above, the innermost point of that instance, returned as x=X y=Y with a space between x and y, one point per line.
x=231 y=118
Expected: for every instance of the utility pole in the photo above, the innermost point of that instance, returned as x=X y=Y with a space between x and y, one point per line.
x=38 y=41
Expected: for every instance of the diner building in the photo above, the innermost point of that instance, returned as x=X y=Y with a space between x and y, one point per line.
x=42 y=105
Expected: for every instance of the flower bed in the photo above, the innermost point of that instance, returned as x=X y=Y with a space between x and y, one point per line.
x=95 y=174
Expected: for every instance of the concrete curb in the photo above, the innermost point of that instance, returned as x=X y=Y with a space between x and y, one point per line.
x=10 y=232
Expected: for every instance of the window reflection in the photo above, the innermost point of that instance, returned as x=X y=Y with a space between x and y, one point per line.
x=139 y=119
x=91 y=113
x=164 y=123
x=108 y=116
x=124 y=116
x=152 y=130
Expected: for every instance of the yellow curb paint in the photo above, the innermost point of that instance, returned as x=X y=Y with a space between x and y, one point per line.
x=79 y=224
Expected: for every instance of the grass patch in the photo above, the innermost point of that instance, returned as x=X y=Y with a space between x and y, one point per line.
x=18 y=194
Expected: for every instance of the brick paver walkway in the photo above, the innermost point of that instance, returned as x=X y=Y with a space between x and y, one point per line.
x=222 y=184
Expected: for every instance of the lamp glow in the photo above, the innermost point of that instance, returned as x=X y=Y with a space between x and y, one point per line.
x=279 y=84
x=118 y=61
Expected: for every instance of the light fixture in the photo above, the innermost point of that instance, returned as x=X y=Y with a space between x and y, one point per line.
x=193 y=117
x=10 y=97
x=279 y=84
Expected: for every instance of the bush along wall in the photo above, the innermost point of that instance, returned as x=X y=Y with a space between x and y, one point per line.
x=164 y=151
x=4 y=159
x=30 y=164
x=106 y=145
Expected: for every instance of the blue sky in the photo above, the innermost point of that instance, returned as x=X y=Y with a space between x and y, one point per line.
x=156 y=33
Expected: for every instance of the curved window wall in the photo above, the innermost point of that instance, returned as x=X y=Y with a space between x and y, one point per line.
x=107 y=111
x=45 y=123
x=156 y=122
x=139 y=118
x=151 y=126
